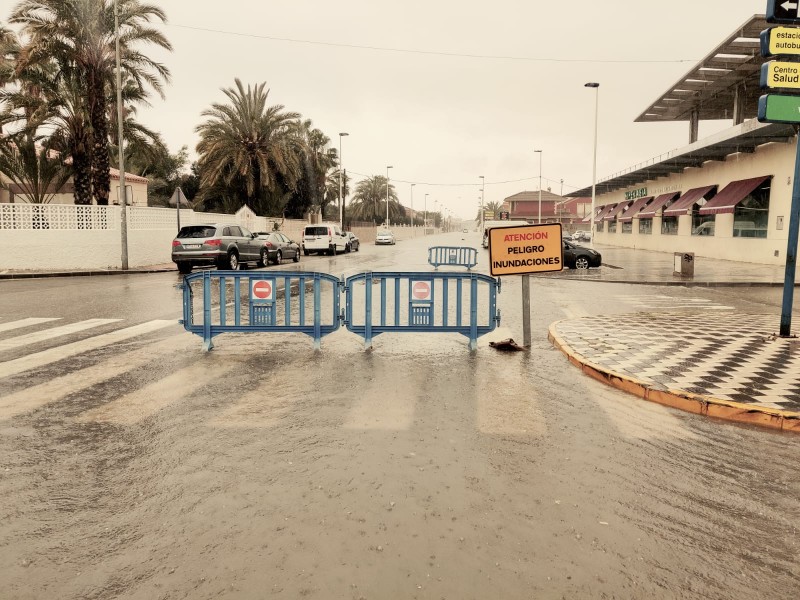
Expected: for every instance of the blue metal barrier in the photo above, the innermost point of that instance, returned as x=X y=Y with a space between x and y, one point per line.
x=262 y=293
x=454 y=256
x=435 y=302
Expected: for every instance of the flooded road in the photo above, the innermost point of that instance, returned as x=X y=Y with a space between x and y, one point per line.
x=149 y=469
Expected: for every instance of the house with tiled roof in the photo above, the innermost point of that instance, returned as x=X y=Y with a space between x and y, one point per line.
x=554 y=208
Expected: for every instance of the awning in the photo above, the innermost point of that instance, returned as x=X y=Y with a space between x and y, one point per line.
x=734 y=192
x=634 y=208
x=618 y=209
x=605 y=210
x=658 y=204
x=687 y=201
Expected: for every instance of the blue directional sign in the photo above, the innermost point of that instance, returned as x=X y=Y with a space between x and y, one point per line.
x=783 y=11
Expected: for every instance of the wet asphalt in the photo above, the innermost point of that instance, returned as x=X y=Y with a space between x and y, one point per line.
x=149 y=469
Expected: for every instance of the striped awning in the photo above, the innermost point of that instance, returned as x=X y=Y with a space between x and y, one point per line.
x=734 y=192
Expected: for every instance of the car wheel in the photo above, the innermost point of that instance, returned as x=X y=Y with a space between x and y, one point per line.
x=306 y=252
x=233 y=261
x=264 y=260
x=347 y=248
x=357 y=247
x=581 y=262
x=184 y=268
x=332 y=250
x=279 y=258
x=296 y=257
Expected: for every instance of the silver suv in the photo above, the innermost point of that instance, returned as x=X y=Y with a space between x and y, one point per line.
x=220 y=245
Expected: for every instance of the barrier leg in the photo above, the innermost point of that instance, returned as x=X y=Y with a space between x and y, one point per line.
x=368 y=312
x=317 y=314
x=473 y=314
x=208 y=344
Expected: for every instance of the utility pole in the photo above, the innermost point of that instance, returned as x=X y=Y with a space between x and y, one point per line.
x=123 y=192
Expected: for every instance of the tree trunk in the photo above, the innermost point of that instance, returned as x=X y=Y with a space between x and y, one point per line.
x=101 y=177
x=81 y=167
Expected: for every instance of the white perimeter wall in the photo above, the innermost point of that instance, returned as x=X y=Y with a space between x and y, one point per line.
x=68 y=237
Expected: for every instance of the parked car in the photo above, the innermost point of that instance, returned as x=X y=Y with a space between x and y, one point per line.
x=220 y=245
x=353 y=242
x=579 y=257
x=582 y=236
x=276 y=247
x=324 y=238
x=385 y=237
x=465 y=231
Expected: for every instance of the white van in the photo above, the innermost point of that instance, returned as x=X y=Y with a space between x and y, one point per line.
x=487 y=225
x=324 y=238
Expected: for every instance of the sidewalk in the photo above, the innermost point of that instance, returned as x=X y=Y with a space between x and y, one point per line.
x=165 y=268
x=733 y=368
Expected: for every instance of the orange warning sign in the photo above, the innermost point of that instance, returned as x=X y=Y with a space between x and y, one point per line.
x=526 y=249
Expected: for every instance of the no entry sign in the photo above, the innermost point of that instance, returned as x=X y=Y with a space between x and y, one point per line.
x=262 y=289
x=421 y=290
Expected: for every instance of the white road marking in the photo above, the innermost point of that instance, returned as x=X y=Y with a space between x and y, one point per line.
x=48 y=334
x=137 y=406
x=25 y=323
x=40 y=359
x=53 y=390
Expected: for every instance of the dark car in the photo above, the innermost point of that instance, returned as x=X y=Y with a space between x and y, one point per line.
x=353 y=242
x=275 y=246
x=578 y=257
x=225 y=246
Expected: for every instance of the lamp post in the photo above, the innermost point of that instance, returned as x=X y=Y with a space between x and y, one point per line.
x=596 y=87
x=123 y=191
x=387 y=196
x=341 y=185
x=412 y=204
x=483 y=185
x=539 y=152
x=425 y=217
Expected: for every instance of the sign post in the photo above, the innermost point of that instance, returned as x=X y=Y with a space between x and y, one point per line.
x=784 y=108
x=522 y=251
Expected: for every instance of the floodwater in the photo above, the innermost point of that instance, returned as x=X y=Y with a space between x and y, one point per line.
x=263 y=469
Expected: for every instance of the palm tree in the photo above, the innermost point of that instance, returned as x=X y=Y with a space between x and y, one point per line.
x=34 y=165
x=369 y=201
x=249 y=148
x=494 y=207
x=317 y=161
x=78 y=36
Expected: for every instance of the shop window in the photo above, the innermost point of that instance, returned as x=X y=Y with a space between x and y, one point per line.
x=612 y=227
x=599 y=226
x=751 y=215
x=669 y=226
x=646 y=226
x=703 y=224
x=627 y=227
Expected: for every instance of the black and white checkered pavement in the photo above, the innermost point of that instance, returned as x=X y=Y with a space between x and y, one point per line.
x=734 y=357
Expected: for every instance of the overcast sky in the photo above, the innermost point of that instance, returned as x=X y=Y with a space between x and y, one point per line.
x=445 y=119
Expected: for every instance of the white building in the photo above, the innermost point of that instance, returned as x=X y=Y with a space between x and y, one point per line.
x=726 y=196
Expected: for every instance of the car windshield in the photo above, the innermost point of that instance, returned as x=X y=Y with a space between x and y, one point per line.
x=197 y=231
x=316 y=231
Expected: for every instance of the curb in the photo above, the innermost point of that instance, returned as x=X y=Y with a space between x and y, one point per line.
x=677 y=283
x=773 y=418
x=97 y=273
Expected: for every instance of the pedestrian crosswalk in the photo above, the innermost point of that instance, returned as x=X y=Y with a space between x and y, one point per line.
x=117 y=373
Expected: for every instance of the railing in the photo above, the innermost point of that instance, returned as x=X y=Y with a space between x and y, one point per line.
x=454 y=256
x=269 y=302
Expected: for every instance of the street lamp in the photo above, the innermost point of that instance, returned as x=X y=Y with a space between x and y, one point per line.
x=540 y=185
x=425 y=218
x=483 y=185
x=386 y=225
x=412 y=204
x=123 y=190
x=596 y=87
x=341 y=185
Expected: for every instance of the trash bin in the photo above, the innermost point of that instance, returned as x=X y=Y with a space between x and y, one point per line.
x=684 y=264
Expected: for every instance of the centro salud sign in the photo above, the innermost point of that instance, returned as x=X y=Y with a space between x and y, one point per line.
x=525 y=249
x=634 y=194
